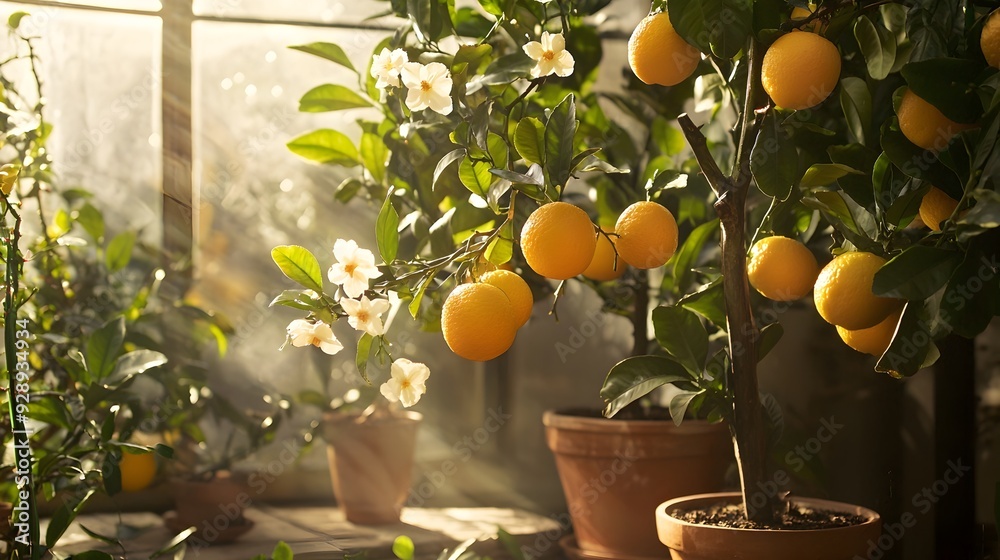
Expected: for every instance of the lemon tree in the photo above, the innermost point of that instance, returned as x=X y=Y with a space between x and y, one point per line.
x=848 y=115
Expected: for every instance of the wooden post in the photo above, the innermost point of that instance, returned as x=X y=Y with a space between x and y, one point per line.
x=179 y=197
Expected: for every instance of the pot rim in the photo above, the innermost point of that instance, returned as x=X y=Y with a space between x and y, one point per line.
x=663 y=517
x=560 y=420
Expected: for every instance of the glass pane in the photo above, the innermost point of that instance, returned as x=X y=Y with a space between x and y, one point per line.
x=255 y=194
x=319 y=11
x=104 y=107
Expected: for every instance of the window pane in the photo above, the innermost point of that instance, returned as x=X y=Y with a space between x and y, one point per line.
x=320 y=11
x=104 y=107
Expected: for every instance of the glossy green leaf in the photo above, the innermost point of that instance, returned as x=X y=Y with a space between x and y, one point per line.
x=331 y=97
x=446 y=161
x=916 y=273
x=119 y=251
x=14 y=20
x=92 y=221
x=912 y=347
x=681 y=333
x=856 y=102
x=709 y=302
x=529 y=140
x=329 y=51
x=560 y=128
x=303 y=300
x=774 y=161
x=374 y=155
x=134 y=362
x=475 y=175
x=364 y=351
x=299 y=265
x=387 y=230
x=878 y=45
x=769 y=337
x=501 y=249
x=64 y=516
x=825 y=174
x=680 y=403
x=686 y=257
x=721 y=27
x=634 y=378
x=948 y=84
x=326 y=146
x=103 y=348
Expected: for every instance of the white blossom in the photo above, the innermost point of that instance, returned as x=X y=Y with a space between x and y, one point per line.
x=366 y=315
x=354 y=267
x=429 y=87
x=303 y=333
x=407 y=382
x=386 y=66
x=550 y=56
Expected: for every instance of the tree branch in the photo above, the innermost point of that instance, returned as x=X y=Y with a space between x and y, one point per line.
x=699 y=145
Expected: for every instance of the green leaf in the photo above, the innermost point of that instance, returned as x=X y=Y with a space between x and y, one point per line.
x=560 y=128
x=510 y=544
x=374 y=155
x=709 y=302
x=14 y=21
x=913 y=161
x=682 y=335
x=174 y=543
x=970 y=299
x=856 y=101
x=721 y=27
x=529 y=138
x=282 y=552
x=770 y=335
x=387 y=230
x=685 y=258
x=103 y=348
x=64 y=516
x=449 y=158
x=402 y=547
x=326 y=146
x=824 y=174
x=916 y=273
x=878 y=45
x=329 y=51
x=135 y=362
x=119 y=251
x=299 y=265
x=774 y=161
x=679 y=405
x=364 y=351
x=501 y=249
x=331 y=97
x=912 y=347
x=633 y=378
x=91 y=220
x=475 y=175
x=92 y=555
x=298 y=299
x=473 y=55
x=414 y=306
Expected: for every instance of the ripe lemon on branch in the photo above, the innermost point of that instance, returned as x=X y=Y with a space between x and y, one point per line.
x=874 y=340
x=800 y=70
x=647 y=235
x=478 y=321
x=843 y=292
x=924 y=124
x=558 y=240
x=516 y=290
x=781 y=268
x=658 y=55
x=936 y=207
x=602 y=267
x=138 y=471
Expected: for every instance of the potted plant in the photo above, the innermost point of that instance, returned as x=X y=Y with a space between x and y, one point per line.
x=537 y=126
x=890 y=289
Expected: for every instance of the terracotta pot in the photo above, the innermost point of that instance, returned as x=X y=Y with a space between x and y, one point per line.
x=615 y=472
x=215 y=508
x=371 y=463
x=688 y=541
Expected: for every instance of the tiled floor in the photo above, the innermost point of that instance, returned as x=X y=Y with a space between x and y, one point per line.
x=323 y=533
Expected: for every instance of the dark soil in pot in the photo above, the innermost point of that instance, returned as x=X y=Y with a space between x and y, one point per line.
x=796 y=518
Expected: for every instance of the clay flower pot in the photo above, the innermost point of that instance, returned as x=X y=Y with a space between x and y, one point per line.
x=214 y=507
x=615 y=472
x=688 y=541
x=371 y=463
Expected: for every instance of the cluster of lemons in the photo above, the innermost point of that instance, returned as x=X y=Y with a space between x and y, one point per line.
x=480 y=319
x=799 y=71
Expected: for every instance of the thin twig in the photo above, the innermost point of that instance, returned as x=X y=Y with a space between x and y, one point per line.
x=699 y=145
